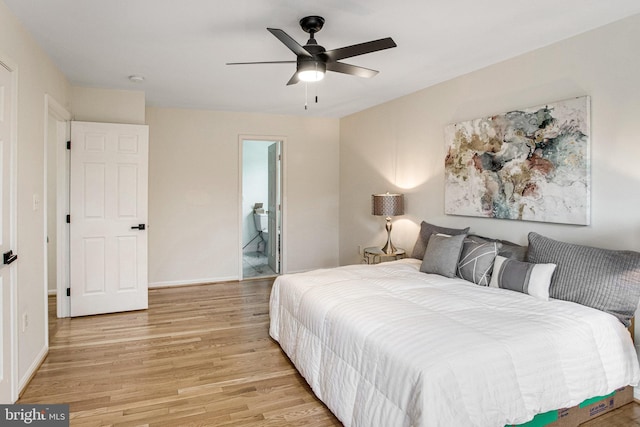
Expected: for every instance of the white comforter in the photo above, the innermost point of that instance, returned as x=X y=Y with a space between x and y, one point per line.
x=385 y=345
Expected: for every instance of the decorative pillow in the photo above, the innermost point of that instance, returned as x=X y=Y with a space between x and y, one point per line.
x=604 y=279
x=442 y=254
x=513 y=251
x=426 y=230
x=507 y=249
x=532 y=279
x=476 y=260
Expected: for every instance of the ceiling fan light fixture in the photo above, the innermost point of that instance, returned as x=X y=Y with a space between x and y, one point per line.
x=310 y=76
x=311 y=71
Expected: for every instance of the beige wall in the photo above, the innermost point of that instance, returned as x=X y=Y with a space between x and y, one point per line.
x=399 y=145
x=108 y=106
x=194 y=192
x=37 y=76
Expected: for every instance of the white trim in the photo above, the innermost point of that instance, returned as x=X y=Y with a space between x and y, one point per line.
x=284 y=235
x=33 y=368
x=53 y=108
x=193 y=282
x=63 y=134
x=13 y=226
x=240 y=197
x=636 y=389
x=52 y=292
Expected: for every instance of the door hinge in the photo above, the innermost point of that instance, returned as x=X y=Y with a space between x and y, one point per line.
x=68 y=145
x=68 y=292
x=68 y=219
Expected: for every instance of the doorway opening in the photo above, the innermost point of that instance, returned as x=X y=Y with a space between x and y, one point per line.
x=261 y=207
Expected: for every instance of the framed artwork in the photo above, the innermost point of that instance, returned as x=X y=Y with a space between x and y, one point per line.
x=531 y=164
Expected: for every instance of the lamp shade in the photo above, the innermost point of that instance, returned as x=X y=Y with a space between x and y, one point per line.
x=387 y=204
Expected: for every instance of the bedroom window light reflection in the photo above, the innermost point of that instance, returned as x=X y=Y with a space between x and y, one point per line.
x=387 y=205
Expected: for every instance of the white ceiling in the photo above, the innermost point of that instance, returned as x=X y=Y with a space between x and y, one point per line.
x=181 y=47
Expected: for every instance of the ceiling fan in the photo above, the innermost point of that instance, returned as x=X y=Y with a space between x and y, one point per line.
x=314 y=60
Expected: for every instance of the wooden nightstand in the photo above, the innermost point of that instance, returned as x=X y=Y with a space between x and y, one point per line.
x=375 y=255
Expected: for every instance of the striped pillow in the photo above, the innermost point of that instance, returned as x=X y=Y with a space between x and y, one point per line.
x=531 y=279
x=604 y=279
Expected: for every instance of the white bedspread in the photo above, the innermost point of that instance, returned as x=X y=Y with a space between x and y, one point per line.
x=385 y=345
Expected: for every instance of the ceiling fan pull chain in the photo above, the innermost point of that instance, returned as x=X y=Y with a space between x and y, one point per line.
x=316 y=84
x=306 y=85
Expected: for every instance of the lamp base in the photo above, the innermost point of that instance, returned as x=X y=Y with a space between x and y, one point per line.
x=388 y=248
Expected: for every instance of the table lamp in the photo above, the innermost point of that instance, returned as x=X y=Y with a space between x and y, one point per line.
x=387 y=205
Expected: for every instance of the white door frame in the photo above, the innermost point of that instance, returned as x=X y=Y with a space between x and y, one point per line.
x=283 y=197
x=13 y=232
x=54 y=109
x=274 y=158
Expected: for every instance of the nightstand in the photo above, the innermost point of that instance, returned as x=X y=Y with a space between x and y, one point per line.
x=375 y=255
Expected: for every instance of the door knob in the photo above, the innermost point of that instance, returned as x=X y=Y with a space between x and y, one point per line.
x=9 y=257
x=138 y=227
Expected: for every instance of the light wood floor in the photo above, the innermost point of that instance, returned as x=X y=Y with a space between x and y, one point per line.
x=200 y=356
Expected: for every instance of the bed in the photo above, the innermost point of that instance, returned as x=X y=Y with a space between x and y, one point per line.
x=390 y=345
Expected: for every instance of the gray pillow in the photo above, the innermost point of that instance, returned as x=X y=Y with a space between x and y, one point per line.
x=525 y=277
x=426 y=230
x=476 y=260
x=442 y=254
x=507 y=249
x=604 y=279
x=513 y=251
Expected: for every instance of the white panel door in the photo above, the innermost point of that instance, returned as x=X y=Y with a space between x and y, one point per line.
x=108 y=206
x=7 y=267
x=273 y=210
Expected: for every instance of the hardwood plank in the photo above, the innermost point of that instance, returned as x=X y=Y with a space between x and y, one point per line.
x=199 y=356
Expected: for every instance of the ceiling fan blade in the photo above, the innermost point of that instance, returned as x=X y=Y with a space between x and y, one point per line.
x=289 y=42
x=294 y=79
x=360 y=49
x=261 y=62
x=353 y=70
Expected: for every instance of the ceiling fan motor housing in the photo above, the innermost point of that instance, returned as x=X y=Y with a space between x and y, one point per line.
x=311 y=63
x=312 y=24
x=316 y=62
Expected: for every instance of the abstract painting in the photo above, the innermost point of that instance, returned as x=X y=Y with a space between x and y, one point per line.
x=531 y=164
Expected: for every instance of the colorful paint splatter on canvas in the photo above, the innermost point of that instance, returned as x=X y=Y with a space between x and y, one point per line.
x=530 y=164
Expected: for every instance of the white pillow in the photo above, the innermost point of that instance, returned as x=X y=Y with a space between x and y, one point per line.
x=525 y=277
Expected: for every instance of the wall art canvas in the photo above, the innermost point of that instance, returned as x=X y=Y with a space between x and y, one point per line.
x=531 y=164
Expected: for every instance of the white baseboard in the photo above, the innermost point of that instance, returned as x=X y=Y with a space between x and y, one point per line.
x=33 y=368
x=192 y=282
x=636 y=390
x=52 y=292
